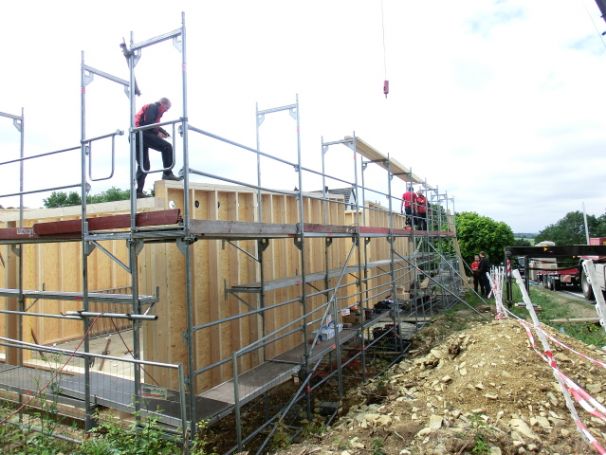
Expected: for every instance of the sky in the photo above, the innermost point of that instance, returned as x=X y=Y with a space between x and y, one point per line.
x=497 y=103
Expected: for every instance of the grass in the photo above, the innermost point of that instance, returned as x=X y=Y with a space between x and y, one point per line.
x=556 y=306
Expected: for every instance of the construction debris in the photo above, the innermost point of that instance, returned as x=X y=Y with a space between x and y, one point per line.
x=494 y=396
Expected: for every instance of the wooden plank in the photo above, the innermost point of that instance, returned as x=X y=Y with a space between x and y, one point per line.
x=399 y=170
x=13 y=355
x=70 y=227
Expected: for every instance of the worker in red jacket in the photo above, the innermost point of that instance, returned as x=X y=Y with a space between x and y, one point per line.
x=408 y=201
x=153 y=138
x=421 y=210
x=475 y=272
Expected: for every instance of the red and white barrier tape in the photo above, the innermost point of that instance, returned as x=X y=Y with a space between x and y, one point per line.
x=596 y=362
x=566 y=386
x=586 y=401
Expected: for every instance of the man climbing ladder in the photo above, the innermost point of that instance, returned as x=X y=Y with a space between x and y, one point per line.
x=153 y=138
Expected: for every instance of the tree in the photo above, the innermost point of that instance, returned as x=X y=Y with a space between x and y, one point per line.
x=570 y=230
x=480 y=233
x=62 y=199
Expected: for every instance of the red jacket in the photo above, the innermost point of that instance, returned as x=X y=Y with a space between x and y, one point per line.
x=475 y=267
x=421 y=205
x=409 y=199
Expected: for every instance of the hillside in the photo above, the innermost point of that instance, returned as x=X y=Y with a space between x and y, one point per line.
x=478 y=390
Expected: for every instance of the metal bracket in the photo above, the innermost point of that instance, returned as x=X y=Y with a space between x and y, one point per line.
x=298 y=241
x=18 y=123
x=367 y=240
x=138 y=245
x=178 y=43
x=182 y=245
x=293 y=112
x=356 y=240
x=260 y=119
x=262 y=244
x=16 y=249
x=87 y=77
x=136 y=57
x=328 y=241
x=89 y=247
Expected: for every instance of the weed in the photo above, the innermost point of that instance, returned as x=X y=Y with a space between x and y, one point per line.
x=280 y=439
x=480 y=439
x=342 y=444
x=376 y=445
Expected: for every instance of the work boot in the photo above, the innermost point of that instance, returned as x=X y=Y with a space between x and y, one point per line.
x=169 y=176
x=141 y=195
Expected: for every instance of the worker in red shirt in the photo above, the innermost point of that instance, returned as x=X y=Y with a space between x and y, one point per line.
x=421 y=210
x=153 y=138
x=475 y=272
x=408 y=201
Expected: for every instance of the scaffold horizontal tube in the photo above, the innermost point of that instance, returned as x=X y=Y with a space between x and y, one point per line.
x=108 y=76
x=10 y=342
x=40 y=155
x=156 y=39
x=94 y=314
x=271 y=110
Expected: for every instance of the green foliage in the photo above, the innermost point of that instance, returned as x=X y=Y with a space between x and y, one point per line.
x=376 y=445
x=62 y=199
x=480 y=233
x=570 y=230
x=110 y=438
x=280 y=438
x=521 y=242
x=480 y=438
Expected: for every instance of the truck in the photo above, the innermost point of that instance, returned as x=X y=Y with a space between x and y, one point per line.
x=600 y=267
x=560 y=278
x=547 y=272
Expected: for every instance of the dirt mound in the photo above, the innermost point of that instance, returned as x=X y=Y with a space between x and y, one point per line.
x=481 y=390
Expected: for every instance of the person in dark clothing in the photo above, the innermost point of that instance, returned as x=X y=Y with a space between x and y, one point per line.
x=484 y=269
x=475 y=272
x=153 y=138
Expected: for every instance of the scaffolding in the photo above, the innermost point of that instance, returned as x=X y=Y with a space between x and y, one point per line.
x=355 y=281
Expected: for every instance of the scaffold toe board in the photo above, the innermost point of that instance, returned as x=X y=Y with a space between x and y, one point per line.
x=155 y=218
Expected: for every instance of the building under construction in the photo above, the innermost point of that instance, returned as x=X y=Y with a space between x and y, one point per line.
x=226 y=301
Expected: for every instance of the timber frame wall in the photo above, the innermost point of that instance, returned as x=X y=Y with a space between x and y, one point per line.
x=225 y=280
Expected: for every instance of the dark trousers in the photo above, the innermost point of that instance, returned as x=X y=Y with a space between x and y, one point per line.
x=422 y=221
x=409 y=216
x=155 y=142
x=476 y=283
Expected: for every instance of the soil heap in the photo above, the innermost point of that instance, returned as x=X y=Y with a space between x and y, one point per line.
x=480 y=390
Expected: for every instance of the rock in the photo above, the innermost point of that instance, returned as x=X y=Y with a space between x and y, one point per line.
x=446 y=379
x=407 y=429
x=494 y=450
x=594 y=388
x=437 y=353
x=355 y=443
x=491 y=396
x=565 y=433
x=541 y=422
x=424 y=432
x=463 y=371
x=519 y=426
x=479 y=386
x=435 y=422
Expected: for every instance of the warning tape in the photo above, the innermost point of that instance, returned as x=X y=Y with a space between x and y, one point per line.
x=584 y=399
x=580 y=354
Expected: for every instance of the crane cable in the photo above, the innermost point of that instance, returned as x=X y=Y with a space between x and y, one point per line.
x=386 y=81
